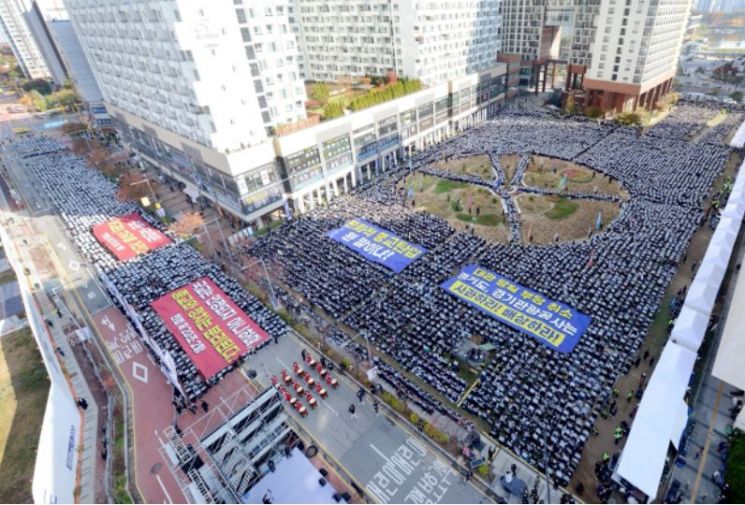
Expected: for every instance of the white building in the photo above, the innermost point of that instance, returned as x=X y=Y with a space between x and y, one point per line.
x=635 y=52
x=434 y=41
x=16 y=30
x=72 y=54
x=195 y=87
x=627 y=50
x=273 y=55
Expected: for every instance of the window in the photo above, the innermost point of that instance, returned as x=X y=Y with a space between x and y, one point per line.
x=246 y=34
x=241 y=15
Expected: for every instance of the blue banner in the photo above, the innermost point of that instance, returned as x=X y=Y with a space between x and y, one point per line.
x=554 y=324
x=377 y=244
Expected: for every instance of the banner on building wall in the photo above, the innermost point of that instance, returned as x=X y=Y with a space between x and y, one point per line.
x=128 y=236
x=552 y=323
x=208 y=325
x=377 y=244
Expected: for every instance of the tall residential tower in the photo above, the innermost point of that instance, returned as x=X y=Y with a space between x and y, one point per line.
x=433 y=41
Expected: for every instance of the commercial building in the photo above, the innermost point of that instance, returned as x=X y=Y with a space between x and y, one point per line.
x=623 y=53
x=433 y=41
x=14 y=21
x=197 y=89
x=325 y=160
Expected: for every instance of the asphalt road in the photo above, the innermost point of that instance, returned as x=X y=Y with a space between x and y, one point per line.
x=392 y=464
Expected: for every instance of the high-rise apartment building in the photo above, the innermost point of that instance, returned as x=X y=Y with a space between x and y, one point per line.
x=433 y=41
x=273 y=55
x=635 y=52
x=194 y=82
x=627 y=50
x=198 y=87
x=17 y=31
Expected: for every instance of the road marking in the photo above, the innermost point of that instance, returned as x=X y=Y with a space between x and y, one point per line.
x=139 y=372
x=326 y=403
x=163 y=487
x=74 y=266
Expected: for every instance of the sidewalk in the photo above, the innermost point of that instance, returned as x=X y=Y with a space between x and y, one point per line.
x=30 y=257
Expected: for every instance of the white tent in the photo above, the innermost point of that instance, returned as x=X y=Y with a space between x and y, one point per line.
x=704 y=288
x=714 y=263
x=294 y=480
x=689 y=329
x=738 y=141
x=726 y=232
x=735 y=210
x=659 y=420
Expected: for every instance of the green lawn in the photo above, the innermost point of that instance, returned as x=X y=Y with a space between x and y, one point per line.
x=24 y=388
x=446 y=185
x=483 y=219
x=562 y=209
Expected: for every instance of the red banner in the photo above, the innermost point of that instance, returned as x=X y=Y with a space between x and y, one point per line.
x=128 y=236
x=208 y=325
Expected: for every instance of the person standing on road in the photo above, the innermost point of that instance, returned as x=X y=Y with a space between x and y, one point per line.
x=361 y=394
x=352 y=411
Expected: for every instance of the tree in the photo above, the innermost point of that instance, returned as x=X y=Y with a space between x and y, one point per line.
x=568 y=104
x=67 y=98
x=734 y=475
x=736 y=96
x=187 y=224
x=40 y=85
x=133 y=187
x=74 y=128
x=319 y=92
x=333 y=110
x=39 y=101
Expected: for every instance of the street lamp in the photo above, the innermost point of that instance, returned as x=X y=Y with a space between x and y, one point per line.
x=268 y=280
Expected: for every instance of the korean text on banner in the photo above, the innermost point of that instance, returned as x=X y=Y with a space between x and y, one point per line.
x=377 y=244
x=552 y=323
x=208 y=325
x=128 y=236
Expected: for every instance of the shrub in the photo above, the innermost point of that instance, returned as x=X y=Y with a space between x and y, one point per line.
x=333 y=110
x=40 y=85
x=638 y=117
x=593 y=112
x=379 y=95
x=734 y=475
x=413 y=418
x=319 y=92
x=441 y=437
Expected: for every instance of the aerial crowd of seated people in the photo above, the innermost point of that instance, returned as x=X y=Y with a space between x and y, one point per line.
x=532 y=397
x=84 y=198
x=536 y=401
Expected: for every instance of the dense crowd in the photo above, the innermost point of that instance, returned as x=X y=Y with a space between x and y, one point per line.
x=85 y=198
x=540 y=403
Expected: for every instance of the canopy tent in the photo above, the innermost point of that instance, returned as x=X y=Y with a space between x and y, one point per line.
x=726 y=233
x=735 y=210
x=658 y=420
x=689 y=329
x=703 y=291
x=738 y=141
x=714 y=263
x=294 y=480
